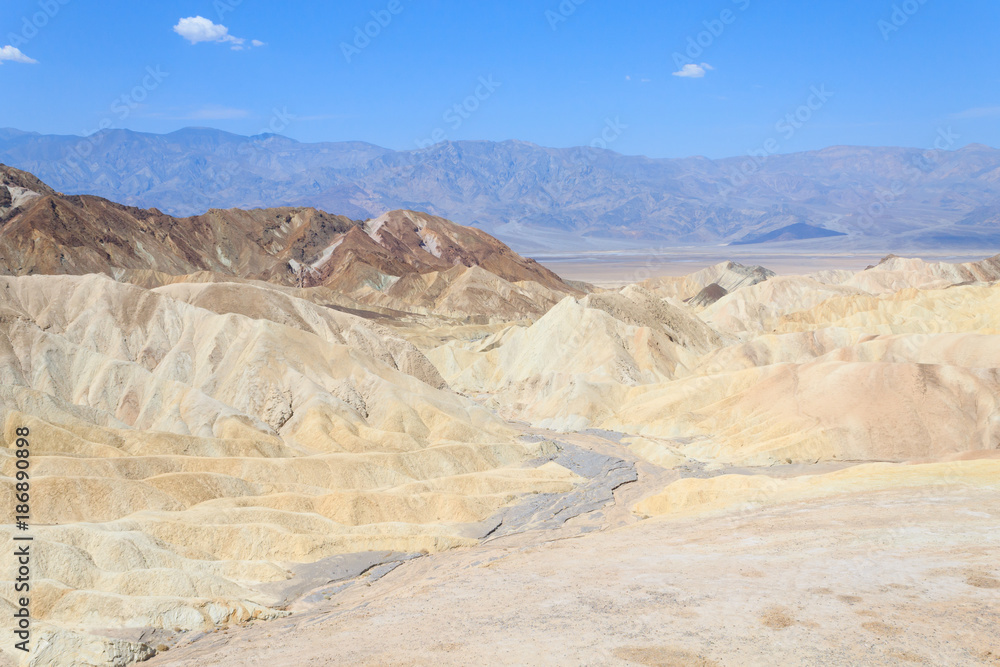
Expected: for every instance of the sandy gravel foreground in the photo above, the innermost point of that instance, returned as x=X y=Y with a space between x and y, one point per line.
x=903 y=577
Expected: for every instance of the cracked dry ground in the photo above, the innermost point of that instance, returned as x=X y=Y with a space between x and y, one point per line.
x=893 y=577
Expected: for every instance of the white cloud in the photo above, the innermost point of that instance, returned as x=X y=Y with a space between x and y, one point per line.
x=13 y=54
x=693 y=71
x=200 y=29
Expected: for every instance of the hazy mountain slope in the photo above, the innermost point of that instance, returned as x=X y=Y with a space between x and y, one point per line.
x=884 y=198
x=185 y=172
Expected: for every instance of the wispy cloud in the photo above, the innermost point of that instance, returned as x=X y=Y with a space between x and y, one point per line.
x=210 y=112
x=13 y=54
x=978 y=112
x=197 y=29
x=217 y=113
x=693 y=71
x=322 y=116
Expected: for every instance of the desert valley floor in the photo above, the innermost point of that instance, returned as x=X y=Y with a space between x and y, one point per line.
x=282 y=437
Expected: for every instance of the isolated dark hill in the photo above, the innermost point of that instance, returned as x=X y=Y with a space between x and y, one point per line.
x=50 y=233
x=533 y=196
x=709 y=295
x=797 y=232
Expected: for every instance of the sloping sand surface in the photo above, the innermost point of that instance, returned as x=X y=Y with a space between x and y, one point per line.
x=891 y=577
x=467 y=466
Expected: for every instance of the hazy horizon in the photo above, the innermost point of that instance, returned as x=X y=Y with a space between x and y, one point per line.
x=948 y=148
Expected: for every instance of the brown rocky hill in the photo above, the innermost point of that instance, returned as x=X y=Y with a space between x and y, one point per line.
x=402 y=259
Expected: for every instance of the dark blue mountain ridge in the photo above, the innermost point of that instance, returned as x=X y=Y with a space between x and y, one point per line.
x=537 y=197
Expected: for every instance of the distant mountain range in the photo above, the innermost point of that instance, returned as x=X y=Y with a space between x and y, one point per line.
x=850 y=198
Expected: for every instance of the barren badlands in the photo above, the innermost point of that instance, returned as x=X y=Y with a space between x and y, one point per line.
x=284 y=437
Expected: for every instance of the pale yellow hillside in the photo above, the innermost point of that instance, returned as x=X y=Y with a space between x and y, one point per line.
x=192 y=440
x=752 y=492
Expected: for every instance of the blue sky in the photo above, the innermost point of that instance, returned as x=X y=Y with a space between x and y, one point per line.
x=887 y=72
